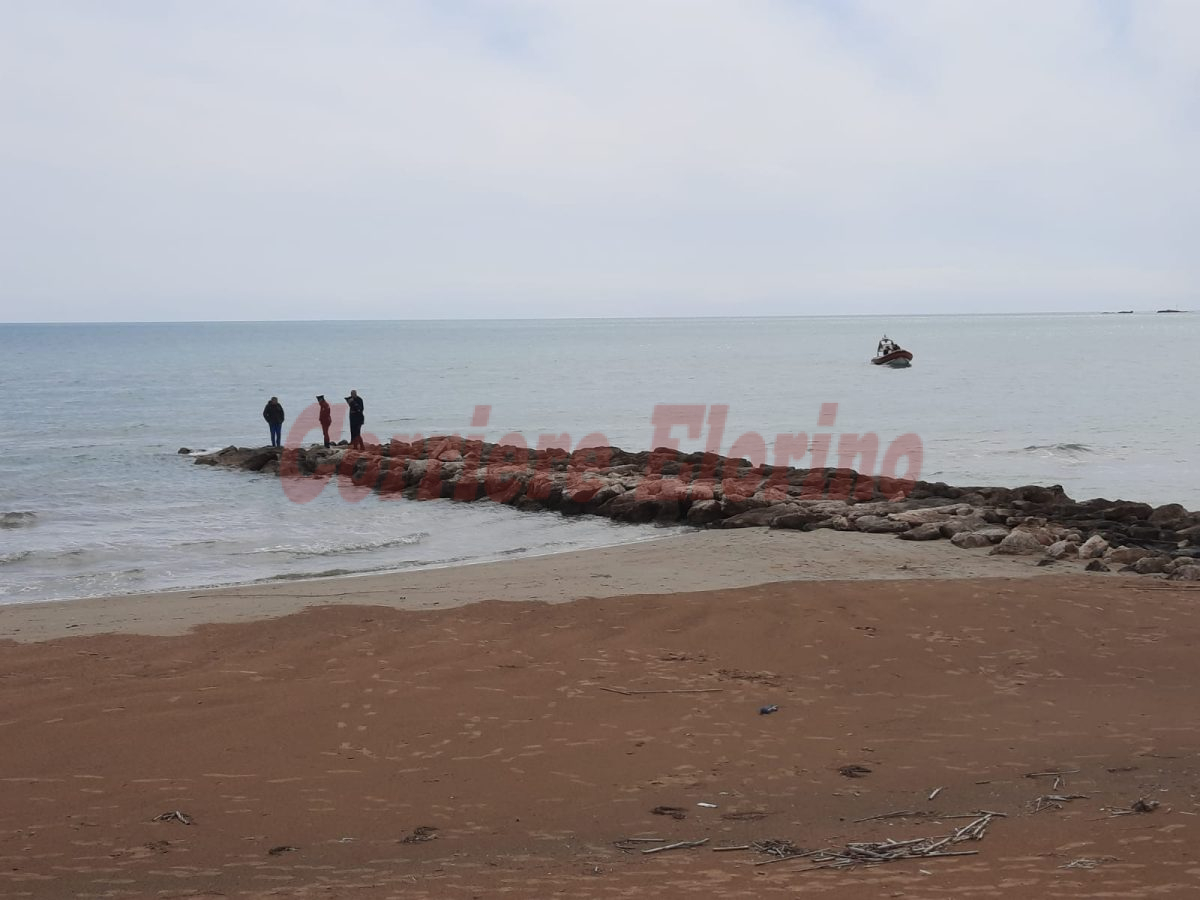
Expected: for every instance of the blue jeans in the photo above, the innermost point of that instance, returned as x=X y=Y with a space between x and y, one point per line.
x=276 y=434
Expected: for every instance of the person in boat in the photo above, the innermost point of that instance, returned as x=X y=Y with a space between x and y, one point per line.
x=882 y=349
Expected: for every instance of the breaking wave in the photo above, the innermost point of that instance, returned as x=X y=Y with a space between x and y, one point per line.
x=309 y=551
x=1059 y=448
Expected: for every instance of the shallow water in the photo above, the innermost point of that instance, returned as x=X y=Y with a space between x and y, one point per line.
x=95 y=500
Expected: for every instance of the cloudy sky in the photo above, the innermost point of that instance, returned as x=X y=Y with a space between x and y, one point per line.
x=492 y=158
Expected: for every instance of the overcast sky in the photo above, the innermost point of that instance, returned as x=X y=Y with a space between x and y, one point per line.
x=463 y=158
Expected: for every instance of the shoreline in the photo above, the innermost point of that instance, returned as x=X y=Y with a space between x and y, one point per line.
x=673 y=564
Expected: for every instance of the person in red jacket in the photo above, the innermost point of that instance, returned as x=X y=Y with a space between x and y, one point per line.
x=325 y=417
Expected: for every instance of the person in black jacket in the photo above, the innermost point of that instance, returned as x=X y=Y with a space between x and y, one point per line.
x=356 y=419
x=273 y=413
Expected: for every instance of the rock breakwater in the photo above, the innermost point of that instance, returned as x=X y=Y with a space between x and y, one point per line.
x=706 y=490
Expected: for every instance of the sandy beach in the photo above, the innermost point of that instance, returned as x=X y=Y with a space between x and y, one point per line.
x=479 y=731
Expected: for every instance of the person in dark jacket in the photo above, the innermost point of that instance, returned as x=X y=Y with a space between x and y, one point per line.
x=325 y=417
x=273 y=413
x=356 y=419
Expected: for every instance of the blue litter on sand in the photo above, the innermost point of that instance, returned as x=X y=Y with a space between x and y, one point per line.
x=767 y=710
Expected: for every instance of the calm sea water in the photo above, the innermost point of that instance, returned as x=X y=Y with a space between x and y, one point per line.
x=95 y=500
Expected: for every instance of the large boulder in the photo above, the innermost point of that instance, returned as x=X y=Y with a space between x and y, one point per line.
x=1122 y=511
x=1186 y=573
x=258 y=460
x=1093 y=548
x=1170 y=515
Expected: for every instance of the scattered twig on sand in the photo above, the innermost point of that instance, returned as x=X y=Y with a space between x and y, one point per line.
x=899 y=814
x=1141 y=805
x=724 y=849
x=858 y=853
x=747 y=815
x=173 y=815
x=935 y=792
x=1055 y=801
x=678 y=845
x=807 y=854
x=1059 y=777
x=612 y=690
x=782 y=849
x=420 y=834
x=854 y=771
x=628 y=844
x=1087 y=862
x=673 y=811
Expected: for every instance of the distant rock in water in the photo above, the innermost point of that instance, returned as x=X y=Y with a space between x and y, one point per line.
x=706 y=490
x=1172 y=310
x=184 y=451
x=18 y=519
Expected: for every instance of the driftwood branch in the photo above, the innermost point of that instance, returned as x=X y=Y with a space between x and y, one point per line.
x=671 y=691
x=678 y=845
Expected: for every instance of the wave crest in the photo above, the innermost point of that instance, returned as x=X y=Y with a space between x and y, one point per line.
x=17 y=519
x=1065 y=447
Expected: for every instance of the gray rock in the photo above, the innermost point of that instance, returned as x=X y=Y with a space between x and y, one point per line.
x=1124 y=556
x=928 y=531
x=959 y=524
x=969 y=540
x=1062 y=550
x=1186 y=573
x=1151 y=565
x=704 y=512
x=1096 y=566
x=924 y=516
x=753 y=518
x=1093 y=547
x=879 y=525
x=1019 y=543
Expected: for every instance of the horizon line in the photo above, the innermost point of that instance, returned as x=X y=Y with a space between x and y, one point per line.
x=1093 y=312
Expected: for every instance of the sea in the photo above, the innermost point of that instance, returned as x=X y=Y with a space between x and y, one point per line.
x=97 y=499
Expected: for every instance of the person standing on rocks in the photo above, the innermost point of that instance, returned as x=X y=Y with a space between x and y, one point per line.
x=325 y=417
x=356 y=419
x=273 y=413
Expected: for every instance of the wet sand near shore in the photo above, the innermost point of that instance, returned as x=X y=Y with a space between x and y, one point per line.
x=681 y=561
x=499 y=749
